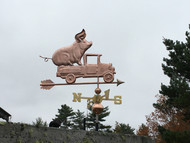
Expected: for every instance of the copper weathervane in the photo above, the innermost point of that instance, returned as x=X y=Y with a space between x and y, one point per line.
x=65 y=59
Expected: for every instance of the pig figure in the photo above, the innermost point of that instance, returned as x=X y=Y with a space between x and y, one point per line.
x=73 y=53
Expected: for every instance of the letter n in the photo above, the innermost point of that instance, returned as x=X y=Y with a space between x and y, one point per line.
x=77 y=97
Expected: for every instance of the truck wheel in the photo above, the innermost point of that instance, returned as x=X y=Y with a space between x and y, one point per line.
x=70 y=78
x=108 y=77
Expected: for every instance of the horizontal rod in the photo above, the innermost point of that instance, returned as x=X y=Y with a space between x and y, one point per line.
x=80 y=83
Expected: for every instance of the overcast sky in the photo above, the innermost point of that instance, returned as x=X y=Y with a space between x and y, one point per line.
x=128 y=34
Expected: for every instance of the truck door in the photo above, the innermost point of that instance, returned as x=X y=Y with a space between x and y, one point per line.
x=91 y=66
x=91 y=69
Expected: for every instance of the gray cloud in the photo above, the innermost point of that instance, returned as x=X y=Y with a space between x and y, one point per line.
x=127 y=33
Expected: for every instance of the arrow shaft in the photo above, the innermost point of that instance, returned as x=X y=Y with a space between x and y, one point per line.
x=80 y=83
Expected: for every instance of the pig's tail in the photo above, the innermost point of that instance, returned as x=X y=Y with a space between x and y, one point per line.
x=45 y=58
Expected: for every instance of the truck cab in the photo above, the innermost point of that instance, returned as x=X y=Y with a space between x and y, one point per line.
x=70 y=73
x=91 y=68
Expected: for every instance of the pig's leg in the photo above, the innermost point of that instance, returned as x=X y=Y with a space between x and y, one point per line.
x=71 y=64
x=79 y=63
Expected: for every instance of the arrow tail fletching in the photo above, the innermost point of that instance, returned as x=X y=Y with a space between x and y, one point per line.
x=46 y=81
x=46 y=84
x=46 y=87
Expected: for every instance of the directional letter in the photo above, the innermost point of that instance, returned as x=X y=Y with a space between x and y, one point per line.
x=106 y=94
x=117 y=100
x=77 y=97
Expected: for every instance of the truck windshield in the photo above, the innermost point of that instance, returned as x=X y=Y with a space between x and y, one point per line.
x=91 y=59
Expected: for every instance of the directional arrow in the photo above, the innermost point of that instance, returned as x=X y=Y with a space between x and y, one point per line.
x=48 y=84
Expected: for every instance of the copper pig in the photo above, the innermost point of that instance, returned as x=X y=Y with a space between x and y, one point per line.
x=73 y=53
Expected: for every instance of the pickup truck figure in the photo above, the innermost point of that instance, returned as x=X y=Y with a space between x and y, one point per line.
x=70 y=73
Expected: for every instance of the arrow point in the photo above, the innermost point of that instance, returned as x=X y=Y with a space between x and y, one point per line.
x=119 y=82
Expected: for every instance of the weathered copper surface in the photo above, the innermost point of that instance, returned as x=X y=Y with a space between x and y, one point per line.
x=97 y=90
x=97 y=108
x=70 y=73
x=73 y=53
x=65 y=58
x=48 y=84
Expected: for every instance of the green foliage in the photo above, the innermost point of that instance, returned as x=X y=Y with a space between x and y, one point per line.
x=74 y=120
x=45 y=134
x=19 y=140
x=101 y=118
x=123 y=128
x=22 y=126
x=30 y=132
x=2 y=123
x=78 y=120
x=174 y=136
x=12 y=134
x=123 y=137
x=66 y=114
x=177 y=68
x=40 y=123
x=86 y=140
x=40 y=141
x=68 y=137
x=177 y=93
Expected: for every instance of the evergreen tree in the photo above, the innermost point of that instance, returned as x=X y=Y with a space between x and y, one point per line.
x=66 y=115
x=78 y=120
x=123 y=128
x=39 y=123
x=91 y=120
x=177 y=93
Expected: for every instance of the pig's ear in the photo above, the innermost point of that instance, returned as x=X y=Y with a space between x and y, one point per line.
x=80 y=36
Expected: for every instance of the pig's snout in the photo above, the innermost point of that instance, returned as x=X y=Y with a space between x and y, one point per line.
x=89 y=43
